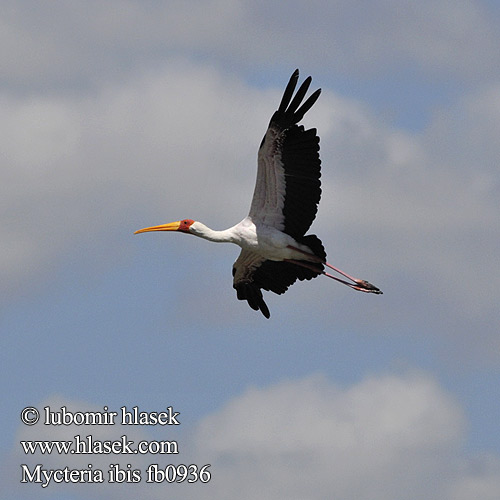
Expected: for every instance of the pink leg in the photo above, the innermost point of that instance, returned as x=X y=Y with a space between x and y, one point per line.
x=365 y=285
x=318 y=270
x=360 y=285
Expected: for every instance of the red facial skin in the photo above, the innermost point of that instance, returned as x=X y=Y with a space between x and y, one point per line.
x=185 y=225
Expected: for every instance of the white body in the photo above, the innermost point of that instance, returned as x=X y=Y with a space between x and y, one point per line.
x=261 y=239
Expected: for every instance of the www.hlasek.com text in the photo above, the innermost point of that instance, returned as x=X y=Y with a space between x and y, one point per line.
x=89 y=446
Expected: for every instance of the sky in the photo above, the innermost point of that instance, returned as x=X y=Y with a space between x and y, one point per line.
x=124 y=114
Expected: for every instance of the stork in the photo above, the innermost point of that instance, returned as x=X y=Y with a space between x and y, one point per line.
x=275 y=250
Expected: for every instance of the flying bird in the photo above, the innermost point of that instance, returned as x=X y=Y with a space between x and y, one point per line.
x=275 y=250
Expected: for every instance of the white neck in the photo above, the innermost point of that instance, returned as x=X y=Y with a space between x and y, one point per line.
x=199 y=229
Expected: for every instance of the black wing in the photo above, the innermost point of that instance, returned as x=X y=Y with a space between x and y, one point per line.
x=288 y=187
x=252 y=273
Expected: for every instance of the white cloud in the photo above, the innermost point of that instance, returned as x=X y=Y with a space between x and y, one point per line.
x=385 y=437
x=80 y=167
x=78 y=163
x=74 y=167
x=439 y=37
x=70 y=43
x=481 y=479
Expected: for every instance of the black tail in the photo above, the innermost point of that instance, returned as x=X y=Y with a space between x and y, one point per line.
x=314 y=243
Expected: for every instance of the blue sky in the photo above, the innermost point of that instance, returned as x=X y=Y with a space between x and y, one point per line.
x=121 y=115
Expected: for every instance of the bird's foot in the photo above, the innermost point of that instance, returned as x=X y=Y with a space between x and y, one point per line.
x=365 y=286
x=357 y=284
